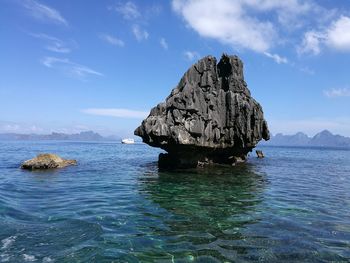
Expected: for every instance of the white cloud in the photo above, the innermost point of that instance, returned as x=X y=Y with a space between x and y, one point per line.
x=72 y=68
x=294 y=6
x=226 y=21
x=288 y=12
x=191 y=55
x=112 y=40
x=121 y=113
x=333 y=93
x=163 y=43
x=12 y=127
x=307 y=70
x=9 y=127
x=68 y=127
x=278 y=59
x=311 y=43
x=55 y=44
x=44 y=12
x=139 y=33
x=339 y=34
x=336 y=36
x=136 y=17
x=58 y=48
x=261 y=25
x=128 y=10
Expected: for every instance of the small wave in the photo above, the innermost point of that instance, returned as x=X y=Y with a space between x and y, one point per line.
x=28 y=258
x=8 y=242
x=47 y=260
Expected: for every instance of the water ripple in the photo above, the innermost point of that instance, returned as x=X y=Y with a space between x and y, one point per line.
x=116 y=205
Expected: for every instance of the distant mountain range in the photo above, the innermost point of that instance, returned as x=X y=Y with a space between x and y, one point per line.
x=55 y=136
x=322 y=139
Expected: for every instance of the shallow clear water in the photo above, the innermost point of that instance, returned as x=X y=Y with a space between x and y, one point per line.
x=115 y=206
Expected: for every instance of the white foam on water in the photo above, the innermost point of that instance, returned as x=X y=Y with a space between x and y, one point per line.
x=47 y=260
x=8 y=242
x=28 y=258
x=4 y=258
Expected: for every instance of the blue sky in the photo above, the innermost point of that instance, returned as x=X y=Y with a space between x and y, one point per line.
x=70 y=66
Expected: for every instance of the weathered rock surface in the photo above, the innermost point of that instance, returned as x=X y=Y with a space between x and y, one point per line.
x=47 y=161
x=210 y=117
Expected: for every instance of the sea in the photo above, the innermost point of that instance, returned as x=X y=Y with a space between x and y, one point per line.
x=117 y=206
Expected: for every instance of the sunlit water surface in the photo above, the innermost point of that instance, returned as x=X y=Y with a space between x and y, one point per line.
x=116 y=206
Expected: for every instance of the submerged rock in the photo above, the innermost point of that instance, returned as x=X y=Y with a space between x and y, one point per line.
x=210 y=117
x=47 y=161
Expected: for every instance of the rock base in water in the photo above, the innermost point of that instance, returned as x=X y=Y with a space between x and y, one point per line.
x=47 y=161
x=190 y=157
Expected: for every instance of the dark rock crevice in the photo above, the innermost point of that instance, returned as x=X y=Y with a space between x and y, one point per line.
x=208 y=118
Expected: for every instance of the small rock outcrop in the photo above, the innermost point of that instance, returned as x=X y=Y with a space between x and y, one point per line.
x=260 y=154
x=210 y=117
x=47 y=161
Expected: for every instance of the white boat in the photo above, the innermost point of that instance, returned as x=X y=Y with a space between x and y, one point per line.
x=128 y=141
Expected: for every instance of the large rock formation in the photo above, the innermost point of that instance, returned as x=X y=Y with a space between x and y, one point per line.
x=210 y=117
x=47 y=161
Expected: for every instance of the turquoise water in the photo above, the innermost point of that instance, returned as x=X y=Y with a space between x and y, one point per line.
x=115 y=206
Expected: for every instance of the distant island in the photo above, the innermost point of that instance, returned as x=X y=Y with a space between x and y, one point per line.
x=55 y=136
x=321 y=139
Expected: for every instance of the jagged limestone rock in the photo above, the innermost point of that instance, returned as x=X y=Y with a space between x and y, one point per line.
x=210 y=117
x=47 y=161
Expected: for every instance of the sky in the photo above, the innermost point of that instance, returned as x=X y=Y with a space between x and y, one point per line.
x=71 y=66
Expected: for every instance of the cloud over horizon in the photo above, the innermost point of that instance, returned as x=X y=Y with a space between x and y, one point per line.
x=67 y=128
x=116 y=112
